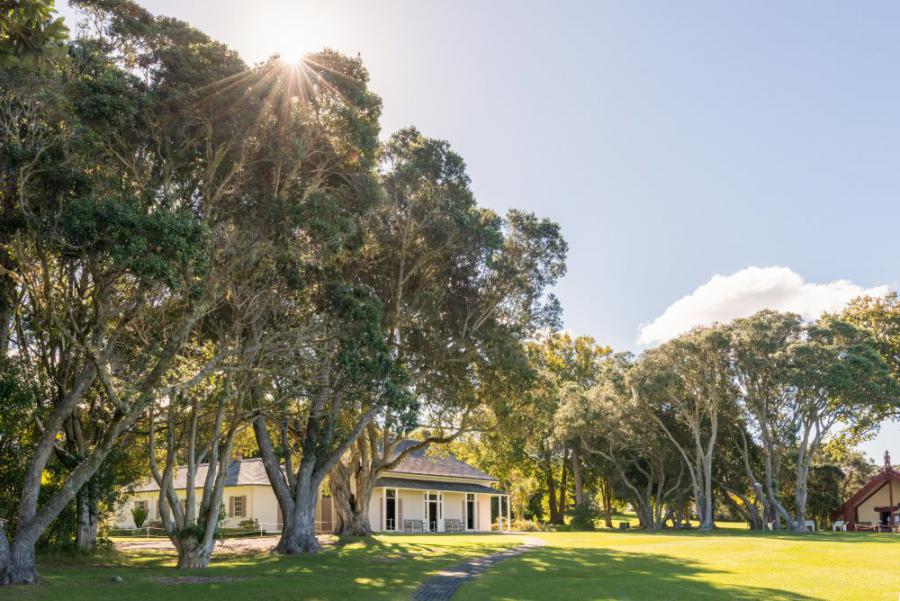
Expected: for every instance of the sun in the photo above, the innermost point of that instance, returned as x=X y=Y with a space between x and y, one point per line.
x=291 y=30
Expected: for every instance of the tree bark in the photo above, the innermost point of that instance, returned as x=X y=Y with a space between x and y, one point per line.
x=606 y=495
x=88 y=514
x=577 y=476
x=551 y=493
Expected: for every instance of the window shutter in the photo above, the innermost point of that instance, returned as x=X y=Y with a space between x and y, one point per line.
x=231 y=507
x=243 y=506
x=399 y=513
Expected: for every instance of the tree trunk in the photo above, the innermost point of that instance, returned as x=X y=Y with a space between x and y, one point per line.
x=551 y=492
x=88 y=516
x=299 y=535
x=353 y=509
x=342 y=499
x=577 y=476
x=563 y=488
x=606 y=495
x=800 y=496
x=193 y=553
x=20 y=567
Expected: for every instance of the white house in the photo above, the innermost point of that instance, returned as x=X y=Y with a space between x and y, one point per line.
x=422 y=493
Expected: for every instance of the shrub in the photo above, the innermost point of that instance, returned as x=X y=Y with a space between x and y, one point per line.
x=528 y=526
x=139 y=514
x=583 y=516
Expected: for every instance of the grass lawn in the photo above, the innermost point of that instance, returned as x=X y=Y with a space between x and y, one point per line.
x=383 y=567
x=731 y=564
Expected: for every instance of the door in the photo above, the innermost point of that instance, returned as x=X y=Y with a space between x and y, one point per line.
x=470 y=511
x=390 y=509
x=433 y=510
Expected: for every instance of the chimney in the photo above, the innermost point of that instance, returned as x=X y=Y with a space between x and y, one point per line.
x=887 y=461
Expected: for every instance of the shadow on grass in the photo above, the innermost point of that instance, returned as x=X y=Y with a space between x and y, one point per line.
x=602 y=574
x=358 y=569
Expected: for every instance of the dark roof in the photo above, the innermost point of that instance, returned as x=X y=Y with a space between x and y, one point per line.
x=419 y=463
x=247 y=472
x=436 y=485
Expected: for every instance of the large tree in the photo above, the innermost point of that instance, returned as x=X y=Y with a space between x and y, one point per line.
x=688 y=381
x=839 y=379
x=461 y=288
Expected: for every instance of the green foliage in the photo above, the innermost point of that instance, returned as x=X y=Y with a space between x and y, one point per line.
x=29 y=32
x=583 y=516
x=139 y=515
x=156 y=246
x=18 y=396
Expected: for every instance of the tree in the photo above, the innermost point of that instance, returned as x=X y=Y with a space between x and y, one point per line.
x=688 y=381
x=838 y=378
x=761 y=367
x=613 y=426
x=461 y=288
x=880 y=317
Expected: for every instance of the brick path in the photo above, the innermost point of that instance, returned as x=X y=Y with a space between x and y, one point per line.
x=442 y=586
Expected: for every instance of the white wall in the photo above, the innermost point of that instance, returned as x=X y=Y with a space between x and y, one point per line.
x=483 y=512
x=412 y=505
x=261 y=505
x=376 y=509
x=881 y=498
x=454 y=506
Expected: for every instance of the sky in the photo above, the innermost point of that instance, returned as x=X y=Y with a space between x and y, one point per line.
x=704 y=159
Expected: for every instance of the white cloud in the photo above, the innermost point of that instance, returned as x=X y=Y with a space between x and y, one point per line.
x=741 y=294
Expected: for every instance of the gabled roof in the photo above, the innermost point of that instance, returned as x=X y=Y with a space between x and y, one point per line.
x=872 y=486
x=252 y=472
x=420 y=464
x=247 y=472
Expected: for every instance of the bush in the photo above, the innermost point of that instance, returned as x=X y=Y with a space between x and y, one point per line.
x=583 y=516
x=251 y=524
x=104 y=544
x=139 y=514
x=528 y=526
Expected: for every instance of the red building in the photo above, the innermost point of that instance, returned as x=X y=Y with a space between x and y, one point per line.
x=876 y=506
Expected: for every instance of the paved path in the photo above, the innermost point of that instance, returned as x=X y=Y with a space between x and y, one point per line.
x=442 y=586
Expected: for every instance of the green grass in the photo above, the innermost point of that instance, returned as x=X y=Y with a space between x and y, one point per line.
x=730 y=564
x=382 y=567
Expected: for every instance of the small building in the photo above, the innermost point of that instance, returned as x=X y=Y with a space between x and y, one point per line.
x=436 y=494
x=421 y=493
x=876 y=506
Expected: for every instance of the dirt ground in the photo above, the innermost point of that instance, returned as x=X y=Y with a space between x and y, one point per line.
x=250 y=544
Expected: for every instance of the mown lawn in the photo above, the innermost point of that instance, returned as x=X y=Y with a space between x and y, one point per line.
x=384 y=567
x=733 y=565
x=729 y=564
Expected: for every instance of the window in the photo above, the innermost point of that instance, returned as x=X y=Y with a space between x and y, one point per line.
x=238 y=507
x=141 y=505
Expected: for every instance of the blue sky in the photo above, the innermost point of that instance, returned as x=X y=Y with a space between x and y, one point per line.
x=672 y=141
